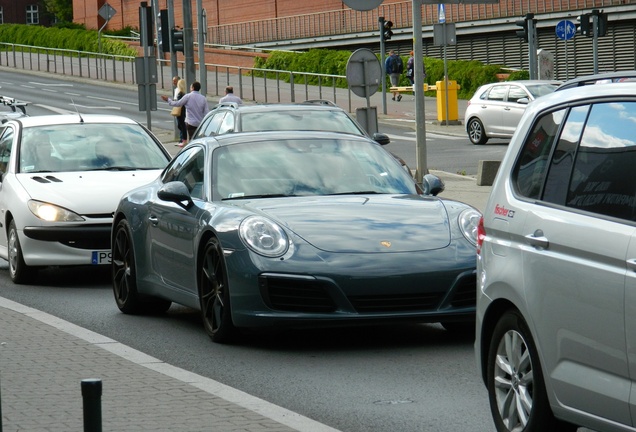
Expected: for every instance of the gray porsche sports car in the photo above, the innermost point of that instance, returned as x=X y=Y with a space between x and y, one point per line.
x=294 y=229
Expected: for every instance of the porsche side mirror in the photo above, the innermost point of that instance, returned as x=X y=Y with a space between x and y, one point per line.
x=432 y=185
x=380 y=138
x=176 y=192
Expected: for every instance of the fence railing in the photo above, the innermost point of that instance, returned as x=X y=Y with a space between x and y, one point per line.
x=255 y=84
x=348 y=21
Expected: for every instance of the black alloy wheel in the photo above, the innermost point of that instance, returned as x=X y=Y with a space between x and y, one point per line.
x=214 y=294
x=125 y=278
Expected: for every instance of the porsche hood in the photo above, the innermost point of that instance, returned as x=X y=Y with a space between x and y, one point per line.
x=363 y=224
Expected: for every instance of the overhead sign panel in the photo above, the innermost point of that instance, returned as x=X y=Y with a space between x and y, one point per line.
x=434 y=2
x=362 y=5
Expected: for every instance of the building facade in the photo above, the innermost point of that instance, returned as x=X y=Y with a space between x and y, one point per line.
x=485 y=32
x=24 y=12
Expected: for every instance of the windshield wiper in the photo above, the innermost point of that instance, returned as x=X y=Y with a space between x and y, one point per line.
x=117 y=168
x=369 y=192
x=256 y=196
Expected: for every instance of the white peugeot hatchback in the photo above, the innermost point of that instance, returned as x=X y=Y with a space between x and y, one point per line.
x=61 y=177
x=556 y=268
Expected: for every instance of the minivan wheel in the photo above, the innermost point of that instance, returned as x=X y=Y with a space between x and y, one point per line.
x=516 y=389
x=476 y=133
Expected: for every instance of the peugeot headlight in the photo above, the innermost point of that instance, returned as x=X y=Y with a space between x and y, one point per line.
x=263 y=236
x=53 y=213
x=468 y=223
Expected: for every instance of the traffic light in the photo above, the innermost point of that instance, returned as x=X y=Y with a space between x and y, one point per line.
x=601 y=22
x=386 y=30
x=584 y=28
x=164 y=31
x=523 y=33
x=177 y=40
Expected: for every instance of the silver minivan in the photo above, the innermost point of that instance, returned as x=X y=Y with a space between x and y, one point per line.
x=556 y=267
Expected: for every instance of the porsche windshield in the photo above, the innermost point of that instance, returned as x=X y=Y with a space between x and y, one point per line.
x=307 y=167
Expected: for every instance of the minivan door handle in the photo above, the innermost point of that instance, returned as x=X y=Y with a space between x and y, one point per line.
x=537 y=240
x=631 y=264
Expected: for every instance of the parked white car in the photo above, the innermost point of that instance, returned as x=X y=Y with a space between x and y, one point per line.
x=495 y=109
x=556 y=267
x=61 y=177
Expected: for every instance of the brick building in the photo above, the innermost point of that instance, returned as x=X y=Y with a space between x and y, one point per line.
x=219 y=12
x=24 y=12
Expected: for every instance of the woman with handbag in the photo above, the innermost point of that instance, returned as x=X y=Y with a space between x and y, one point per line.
x=180 y=113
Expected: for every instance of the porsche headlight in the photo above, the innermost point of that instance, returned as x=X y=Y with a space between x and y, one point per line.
x=468 y=223
x=263 y=236
x=53 y=213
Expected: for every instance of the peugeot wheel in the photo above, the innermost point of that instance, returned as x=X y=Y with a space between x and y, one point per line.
x=18 y=270
x=215 y=295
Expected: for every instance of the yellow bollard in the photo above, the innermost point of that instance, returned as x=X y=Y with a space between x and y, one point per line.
x=453 y=111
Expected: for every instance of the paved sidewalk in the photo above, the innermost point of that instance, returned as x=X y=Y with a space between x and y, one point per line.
x=44 y=359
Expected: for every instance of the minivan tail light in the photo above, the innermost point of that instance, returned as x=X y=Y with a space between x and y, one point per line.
x=481 y=234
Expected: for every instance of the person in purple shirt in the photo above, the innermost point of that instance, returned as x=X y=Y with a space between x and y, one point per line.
x=196 y=108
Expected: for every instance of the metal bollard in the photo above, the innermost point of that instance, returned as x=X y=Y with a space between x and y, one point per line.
x=92 y=396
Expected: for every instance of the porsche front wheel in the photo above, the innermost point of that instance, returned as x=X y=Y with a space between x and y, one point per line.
x=214 y=294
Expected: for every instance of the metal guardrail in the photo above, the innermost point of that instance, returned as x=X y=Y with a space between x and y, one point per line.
x=256 y=84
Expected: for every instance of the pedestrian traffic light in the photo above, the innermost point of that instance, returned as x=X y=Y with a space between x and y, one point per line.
x=584 y=27
x=386 y=31
x=177 y=40
x=523 y=33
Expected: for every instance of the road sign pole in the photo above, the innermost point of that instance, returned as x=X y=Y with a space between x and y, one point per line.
x=420 y=111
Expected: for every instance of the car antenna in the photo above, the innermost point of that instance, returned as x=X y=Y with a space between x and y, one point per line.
x=77 y=111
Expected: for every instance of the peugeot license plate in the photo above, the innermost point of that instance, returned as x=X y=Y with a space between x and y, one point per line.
x=101 y=257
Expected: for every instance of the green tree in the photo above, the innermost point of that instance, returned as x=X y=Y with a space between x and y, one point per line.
x=62 y=9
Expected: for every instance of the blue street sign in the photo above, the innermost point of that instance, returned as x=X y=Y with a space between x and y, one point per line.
x=565 y=30
x=441 y=13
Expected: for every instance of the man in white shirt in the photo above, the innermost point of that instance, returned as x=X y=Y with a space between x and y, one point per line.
x=230 y=96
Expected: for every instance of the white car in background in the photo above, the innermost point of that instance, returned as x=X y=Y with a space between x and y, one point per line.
x=61 y=177
x=495 y=109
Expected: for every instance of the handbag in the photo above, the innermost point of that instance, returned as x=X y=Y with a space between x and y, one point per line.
x=176 y=111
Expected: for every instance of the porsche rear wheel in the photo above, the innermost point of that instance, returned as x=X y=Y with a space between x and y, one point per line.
x=214 y=294
x=18 y=270
x=125 y=276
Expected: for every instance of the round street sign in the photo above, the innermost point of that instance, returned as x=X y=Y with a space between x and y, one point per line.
x=362 y=5
x=363 y=72
x=565 y=30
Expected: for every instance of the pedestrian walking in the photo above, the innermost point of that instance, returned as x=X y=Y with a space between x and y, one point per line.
x=394 y=68
x=230 y=96
x=196 y=107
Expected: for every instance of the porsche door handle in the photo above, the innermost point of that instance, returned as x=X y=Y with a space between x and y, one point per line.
x=537 y=240
x=153 y=220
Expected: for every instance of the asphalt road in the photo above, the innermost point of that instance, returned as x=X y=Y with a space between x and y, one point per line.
x=49 y=94
x=394 y=378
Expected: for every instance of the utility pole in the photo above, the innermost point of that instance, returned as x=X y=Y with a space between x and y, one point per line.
x=188 y=46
